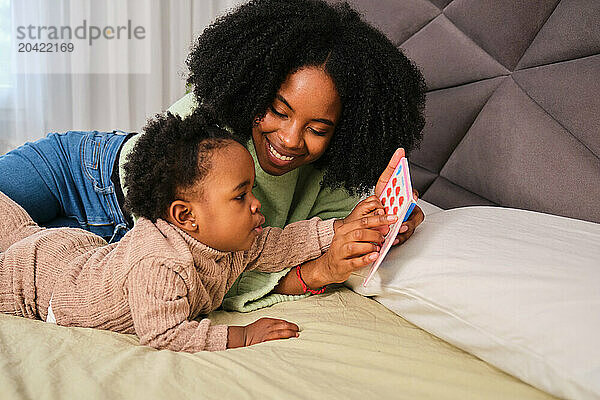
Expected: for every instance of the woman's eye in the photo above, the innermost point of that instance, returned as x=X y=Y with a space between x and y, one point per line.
x=241 y=197
x=318 y=132
x=274 y=111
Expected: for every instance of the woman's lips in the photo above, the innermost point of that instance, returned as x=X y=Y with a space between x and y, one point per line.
x=276 y=157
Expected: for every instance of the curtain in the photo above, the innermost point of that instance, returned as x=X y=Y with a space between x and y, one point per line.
x=105 y=88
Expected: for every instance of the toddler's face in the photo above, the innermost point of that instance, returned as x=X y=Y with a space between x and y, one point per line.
x=227 y=215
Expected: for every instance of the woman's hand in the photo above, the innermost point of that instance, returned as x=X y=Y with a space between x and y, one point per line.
x=416 y=217
x=263 y=330
x=408 y=227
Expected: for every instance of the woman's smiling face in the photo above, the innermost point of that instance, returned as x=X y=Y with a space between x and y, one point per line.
x=298 y=126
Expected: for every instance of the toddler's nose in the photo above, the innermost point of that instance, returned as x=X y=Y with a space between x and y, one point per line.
x=255 y=206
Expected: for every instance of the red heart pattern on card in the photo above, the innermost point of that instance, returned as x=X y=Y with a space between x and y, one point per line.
x=394 y=195
x=397 y=192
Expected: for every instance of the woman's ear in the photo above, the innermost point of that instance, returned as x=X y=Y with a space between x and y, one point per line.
x=181 y=215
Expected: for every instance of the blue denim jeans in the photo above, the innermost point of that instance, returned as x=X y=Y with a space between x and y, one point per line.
x=64 y=179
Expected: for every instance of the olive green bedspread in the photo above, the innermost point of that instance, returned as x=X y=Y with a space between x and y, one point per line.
x=350 y=347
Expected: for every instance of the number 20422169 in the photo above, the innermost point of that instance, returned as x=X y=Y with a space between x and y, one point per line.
x=45 y=47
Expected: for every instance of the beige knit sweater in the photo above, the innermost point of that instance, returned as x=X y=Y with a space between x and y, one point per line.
x=154 y=283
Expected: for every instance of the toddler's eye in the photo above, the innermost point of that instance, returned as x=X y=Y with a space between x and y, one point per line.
x=255 y=185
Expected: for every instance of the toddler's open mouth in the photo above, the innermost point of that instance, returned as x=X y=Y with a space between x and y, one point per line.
x=258 y=228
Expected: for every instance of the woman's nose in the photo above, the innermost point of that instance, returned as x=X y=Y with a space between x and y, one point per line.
x=291 y=136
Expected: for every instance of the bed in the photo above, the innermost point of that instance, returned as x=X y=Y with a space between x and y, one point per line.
x=509 y=165
x=350 y=347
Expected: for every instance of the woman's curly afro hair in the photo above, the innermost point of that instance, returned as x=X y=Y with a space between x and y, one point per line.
x=171 y=156
x=239 y=62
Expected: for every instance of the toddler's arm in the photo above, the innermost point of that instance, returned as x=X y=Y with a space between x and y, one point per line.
x=276 y=249
x=160 y=308
x=15 y=223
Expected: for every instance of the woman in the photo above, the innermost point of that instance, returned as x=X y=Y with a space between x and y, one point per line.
x=323 y=99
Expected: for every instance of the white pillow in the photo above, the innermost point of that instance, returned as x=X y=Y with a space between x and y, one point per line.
x=428 y=208
x=518 y=289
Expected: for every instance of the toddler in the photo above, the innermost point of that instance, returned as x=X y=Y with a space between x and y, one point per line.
x=190 y=184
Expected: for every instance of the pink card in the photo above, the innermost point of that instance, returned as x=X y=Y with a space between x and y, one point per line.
x=397 y=199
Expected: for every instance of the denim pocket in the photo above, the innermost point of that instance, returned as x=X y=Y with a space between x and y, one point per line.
x=98 y=212
x=93 y=147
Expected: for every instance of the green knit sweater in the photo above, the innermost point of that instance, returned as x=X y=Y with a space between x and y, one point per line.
x=294 y=196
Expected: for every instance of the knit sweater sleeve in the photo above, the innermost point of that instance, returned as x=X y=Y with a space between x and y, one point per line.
x=276 y=249
x=160 y=308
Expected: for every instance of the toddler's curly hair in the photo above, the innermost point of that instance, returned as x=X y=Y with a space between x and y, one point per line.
x=238 y=64
x=171 y=156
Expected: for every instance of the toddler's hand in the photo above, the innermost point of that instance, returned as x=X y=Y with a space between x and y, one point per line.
x=263 y=330
x=354 y=245
x=367 y=207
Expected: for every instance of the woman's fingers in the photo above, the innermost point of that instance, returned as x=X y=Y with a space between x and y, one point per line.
x=389 y=170
x=403 y=237
x=415 y=219
x=415 y=195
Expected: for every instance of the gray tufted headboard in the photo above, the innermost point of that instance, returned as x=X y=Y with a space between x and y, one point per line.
x=513 y=103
